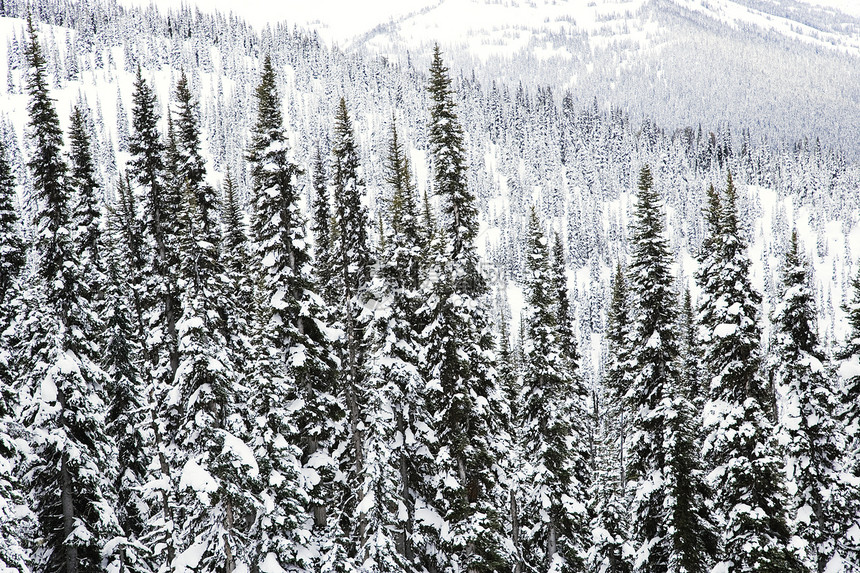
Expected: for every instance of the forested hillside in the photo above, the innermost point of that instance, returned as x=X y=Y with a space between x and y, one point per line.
x=269 y=306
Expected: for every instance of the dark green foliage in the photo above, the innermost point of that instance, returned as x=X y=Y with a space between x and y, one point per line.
x=351 y=260
x=463 y=391
x=292 y=363
x=692 y=384
x=235 y=242
x=673 y=529
x=740 y=445
x=554 y=412
x=65 y=409
x=449 y=173
x=12 y=253
x=816 y=447
x=611 y=551
x=86 y=214
x=321 y=225
x=563 y=315
x=190 y=166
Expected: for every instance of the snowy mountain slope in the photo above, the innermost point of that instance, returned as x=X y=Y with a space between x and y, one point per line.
x=659 y=58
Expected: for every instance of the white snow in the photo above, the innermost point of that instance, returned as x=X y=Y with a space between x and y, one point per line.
x=190 y=558
x=270 y=564
x=49 y=390
x=240 y=449
x=195 y=477
x=723 y=330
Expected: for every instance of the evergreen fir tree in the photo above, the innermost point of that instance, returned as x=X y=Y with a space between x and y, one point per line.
x=125 y=420
x=673 y=530
x=321 y=227
x=16 y=519
x=691 y=359
x=849 y=416
x=69 y=472
x=191 y=167
x=292 y=396
x=397 y=439
x=815 y=441
x=611 y=550
x=12 y=252
x=563 y=316
x=218 y=468
x=235 y=243
x=469 y=422
x=86 y=214
x=351 y=261
x=155 y=264
x=553 y=516
x=741 y=444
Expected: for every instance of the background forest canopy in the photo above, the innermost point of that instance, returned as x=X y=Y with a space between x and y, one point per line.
x=273 y=306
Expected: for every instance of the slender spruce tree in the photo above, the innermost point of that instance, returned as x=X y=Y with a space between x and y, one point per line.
x=351 y=264
x=322 y=228
x=154 y=272
x=849 y=416
x=747 y=476
x=16 y=519
x=12 y=251
x=611 y=550
x=293 y=391
x=397 y=422
x=469 y=422
x=673 y=531
x=69 y=473
x=815 y=441
x=553 y=508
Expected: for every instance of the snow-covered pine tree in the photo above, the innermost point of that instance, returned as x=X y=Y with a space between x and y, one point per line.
x=691 y=359
x=153 y=273
x=235 y=236
x=563 y=315
x=16 y=520
x=12 y=251
x=396 y=420
x=148 y=169
x=70 y=471
x=611 y=550
x=322 y=228
x=849 y=416
x=190 y=164
x=86 y=213
x=351 y=264
x=740 y=445
x=815 y=441
x=217 y=470
x=292 y=393
x=553 y=515
x=125 y=420
x=706 y=274
x=463 y=391
x=673 y=531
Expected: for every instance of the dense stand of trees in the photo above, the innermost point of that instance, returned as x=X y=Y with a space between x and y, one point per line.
x=192 y=385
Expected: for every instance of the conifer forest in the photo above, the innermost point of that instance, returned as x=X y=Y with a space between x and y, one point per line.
x=272 y=305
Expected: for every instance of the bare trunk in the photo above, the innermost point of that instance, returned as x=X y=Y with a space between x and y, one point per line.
x=165 y=472
x=68 y=516
x=229 y=563
x=551 y=544
x=515 y=532
x=406 y=536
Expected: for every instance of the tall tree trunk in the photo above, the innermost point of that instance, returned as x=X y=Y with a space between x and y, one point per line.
x=68 y=516
x=515 y=532
x=406 y=536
